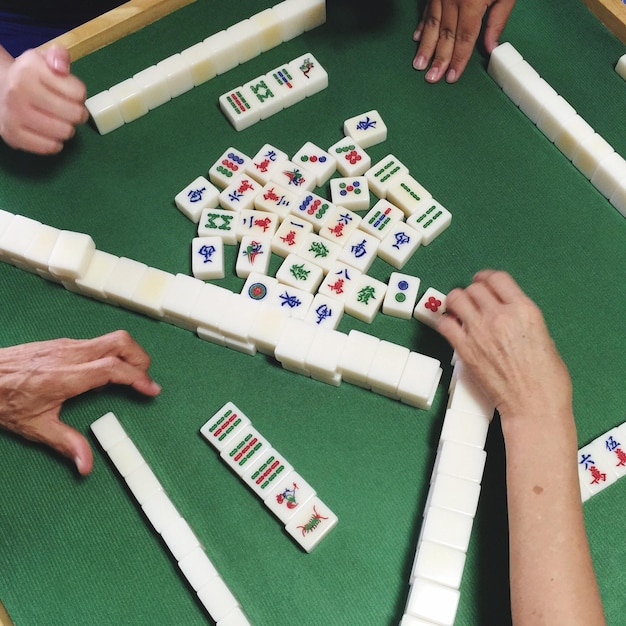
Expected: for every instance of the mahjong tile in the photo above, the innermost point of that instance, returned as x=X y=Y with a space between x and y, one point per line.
x=408 y=194
x=308 y=67
x=380 y=218
x=314 y=521
x=339 y=224
x=351 y=193
x=301 y=273
x=292 y=176
x=240 y=193
x=325 y=312
x=260 y=92
x=401 y=295
x=367 y=129
x=256 y=223
x=317 y=161
x=223 y=424
x=266 y=471
x=385 y=174
x=258 y=287
x=319 y=251
x=231 y=164
x=360 y=250
x=276 y=199
x=290 y=235
x=261 y=164
x=207 y=258
x=340 y=281
x=240 y=110
x=399 y=245
x=352 y=160
x=366 y=299
x=290 y=86
x=291 y=299
x=254 y=255
x=219 y=223
x=288 y=496
x=431 y=307
x=198 y=195
x=430 y=220
x=314 y=209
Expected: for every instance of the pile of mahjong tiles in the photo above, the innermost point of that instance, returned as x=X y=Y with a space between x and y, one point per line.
x=266 y=204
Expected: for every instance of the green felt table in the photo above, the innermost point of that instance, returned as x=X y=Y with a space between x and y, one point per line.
x=78 y=550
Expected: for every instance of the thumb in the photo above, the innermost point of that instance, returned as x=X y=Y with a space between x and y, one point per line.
x=58 y=59
x=496 y=21
x=64 y=439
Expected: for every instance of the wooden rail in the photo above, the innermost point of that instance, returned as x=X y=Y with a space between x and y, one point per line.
x=612 y=13
x=114 y=25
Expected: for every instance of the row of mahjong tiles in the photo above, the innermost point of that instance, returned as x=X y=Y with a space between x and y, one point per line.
x=219 y=315
x=557 y=119
x=134 y=97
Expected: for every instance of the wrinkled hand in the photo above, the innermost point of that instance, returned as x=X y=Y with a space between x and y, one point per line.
x=36 y=378
x=40 y=101
x=501 y=337
x=448 y=31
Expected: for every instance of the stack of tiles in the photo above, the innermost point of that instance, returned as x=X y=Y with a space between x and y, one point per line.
x=269 y=316
x=177 y=74
x=602 y=462
x=558 y=121
x=270 y=93
x=175 y=532
x=450 y=506
x=283 y=491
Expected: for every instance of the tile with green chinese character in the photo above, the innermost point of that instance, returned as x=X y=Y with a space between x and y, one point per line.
x=295 y=271
x=366 y=298
x=320 y=251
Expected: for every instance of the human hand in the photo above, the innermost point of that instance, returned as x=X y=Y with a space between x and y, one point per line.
x=40 y=101
x=36 y=378
x=448 y=31
x=501 y=337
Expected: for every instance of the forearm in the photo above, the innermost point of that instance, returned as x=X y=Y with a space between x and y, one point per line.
x=552 y=576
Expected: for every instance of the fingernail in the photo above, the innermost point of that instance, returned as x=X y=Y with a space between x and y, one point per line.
x=420 y=62
x=156 y=388
x=451 y=76
x=433 y=74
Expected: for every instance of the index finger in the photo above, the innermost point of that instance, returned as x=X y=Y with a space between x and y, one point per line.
x=468 y=28
x=120 y=344
x=501 y=284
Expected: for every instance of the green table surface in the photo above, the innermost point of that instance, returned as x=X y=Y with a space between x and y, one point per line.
x=78 y=550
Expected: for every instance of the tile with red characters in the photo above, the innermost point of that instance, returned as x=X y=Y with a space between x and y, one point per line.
x=264 y=161
x=240 y=194
x=290 y=235
x=339 y=225
x=257 y=223
x=276 y=199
